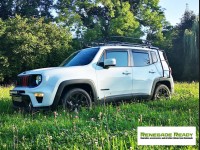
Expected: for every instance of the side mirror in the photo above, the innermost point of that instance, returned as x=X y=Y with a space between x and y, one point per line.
x=109 y=62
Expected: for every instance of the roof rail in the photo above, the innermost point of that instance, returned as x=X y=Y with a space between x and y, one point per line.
x=122 y=41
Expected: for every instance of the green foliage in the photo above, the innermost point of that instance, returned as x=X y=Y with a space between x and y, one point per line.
x=181 y=44
x=33 y=8
x=125 y=23
x=191 y=51
x=185 y=53
x=111 y=17
x=31 y=43
x=191 y=41
x=103 y=127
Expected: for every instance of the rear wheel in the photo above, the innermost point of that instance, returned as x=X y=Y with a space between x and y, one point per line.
x=75 y=99
x=162 y=91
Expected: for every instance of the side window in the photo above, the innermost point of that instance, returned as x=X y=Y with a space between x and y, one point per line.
x=141 y=59
x=154 y=57
x=120 y=56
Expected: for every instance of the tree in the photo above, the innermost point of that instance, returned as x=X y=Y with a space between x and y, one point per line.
x=191 y=51
x=6 y=9
x=102 y=18
x=184 y=66
x=191 y=41
x=26 y=8
x=31 y=43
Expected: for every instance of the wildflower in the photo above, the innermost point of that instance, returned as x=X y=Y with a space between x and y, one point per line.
x=100 y=115
x=55 y=114
x=50 y=137
x=125 y=133
x=169 y=120
x=96 y=143
x=140 y=119
x=89 y=143
x=118 y=109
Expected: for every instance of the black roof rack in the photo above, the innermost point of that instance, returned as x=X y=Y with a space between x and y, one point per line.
x=122 y=41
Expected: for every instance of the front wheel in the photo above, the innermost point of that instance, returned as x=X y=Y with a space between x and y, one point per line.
x=162 y=91
x=75 y=99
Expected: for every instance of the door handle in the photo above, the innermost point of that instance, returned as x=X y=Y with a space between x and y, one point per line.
x=151 y=71
x=126 y=73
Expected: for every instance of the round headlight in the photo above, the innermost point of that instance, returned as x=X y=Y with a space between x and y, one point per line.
x=38 y=79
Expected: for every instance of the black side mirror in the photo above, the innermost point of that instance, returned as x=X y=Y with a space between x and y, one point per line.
x=101 y=64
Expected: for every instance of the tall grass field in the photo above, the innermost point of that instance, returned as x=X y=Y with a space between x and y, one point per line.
x=109 y=127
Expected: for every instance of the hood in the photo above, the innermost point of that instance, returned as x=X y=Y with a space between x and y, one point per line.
x=37 y=71
x=51 y=70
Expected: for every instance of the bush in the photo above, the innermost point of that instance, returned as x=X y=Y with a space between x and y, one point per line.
x=29 y=43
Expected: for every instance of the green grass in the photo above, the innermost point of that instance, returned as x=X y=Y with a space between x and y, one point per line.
x=104 y=127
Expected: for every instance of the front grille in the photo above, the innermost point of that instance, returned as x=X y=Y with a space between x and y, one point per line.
x=26 y=81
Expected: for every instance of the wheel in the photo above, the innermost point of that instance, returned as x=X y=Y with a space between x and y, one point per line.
x=162 y=91
x=28 y=107
x=75 y=99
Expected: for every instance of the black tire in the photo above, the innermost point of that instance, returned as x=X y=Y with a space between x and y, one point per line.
x=29 y=107
x=162 y=91
x=75 y=99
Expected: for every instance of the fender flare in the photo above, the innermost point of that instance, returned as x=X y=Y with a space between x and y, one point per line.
x=72 y=82
x=157 y=80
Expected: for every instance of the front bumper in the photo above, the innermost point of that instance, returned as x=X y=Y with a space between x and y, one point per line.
x=23 y=102
x=37 y=97
x=19 y=100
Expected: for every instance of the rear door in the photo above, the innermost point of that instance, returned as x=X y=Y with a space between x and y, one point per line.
x=144 y=72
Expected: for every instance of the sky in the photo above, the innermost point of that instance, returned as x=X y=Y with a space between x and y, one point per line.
x=174 y=9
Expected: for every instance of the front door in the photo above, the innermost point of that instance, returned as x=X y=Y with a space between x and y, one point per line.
x=115 y=81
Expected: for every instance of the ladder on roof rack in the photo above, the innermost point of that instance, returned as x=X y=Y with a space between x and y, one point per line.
x=165 y=60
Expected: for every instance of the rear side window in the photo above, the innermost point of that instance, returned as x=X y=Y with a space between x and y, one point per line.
x=120 y=56
x=154 y=57
x=140 y=59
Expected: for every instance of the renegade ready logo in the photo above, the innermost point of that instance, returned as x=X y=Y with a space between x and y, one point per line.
x=166 y=135
x=174 y=135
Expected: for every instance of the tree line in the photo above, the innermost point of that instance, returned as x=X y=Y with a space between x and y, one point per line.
x=42 y=33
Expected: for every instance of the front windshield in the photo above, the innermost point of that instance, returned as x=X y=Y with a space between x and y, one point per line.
x=80 y=58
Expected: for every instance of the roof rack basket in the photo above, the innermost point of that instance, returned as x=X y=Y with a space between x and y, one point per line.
x=122 y=41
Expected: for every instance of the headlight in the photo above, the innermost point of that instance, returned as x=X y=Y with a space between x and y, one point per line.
x=38 y=79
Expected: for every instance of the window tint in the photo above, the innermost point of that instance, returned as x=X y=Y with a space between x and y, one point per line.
x=80 y=58
x=120 y=56
x=154 y=57
x=141 y=59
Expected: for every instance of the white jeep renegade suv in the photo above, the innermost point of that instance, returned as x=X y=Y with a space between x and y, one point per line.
x=110 y=72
